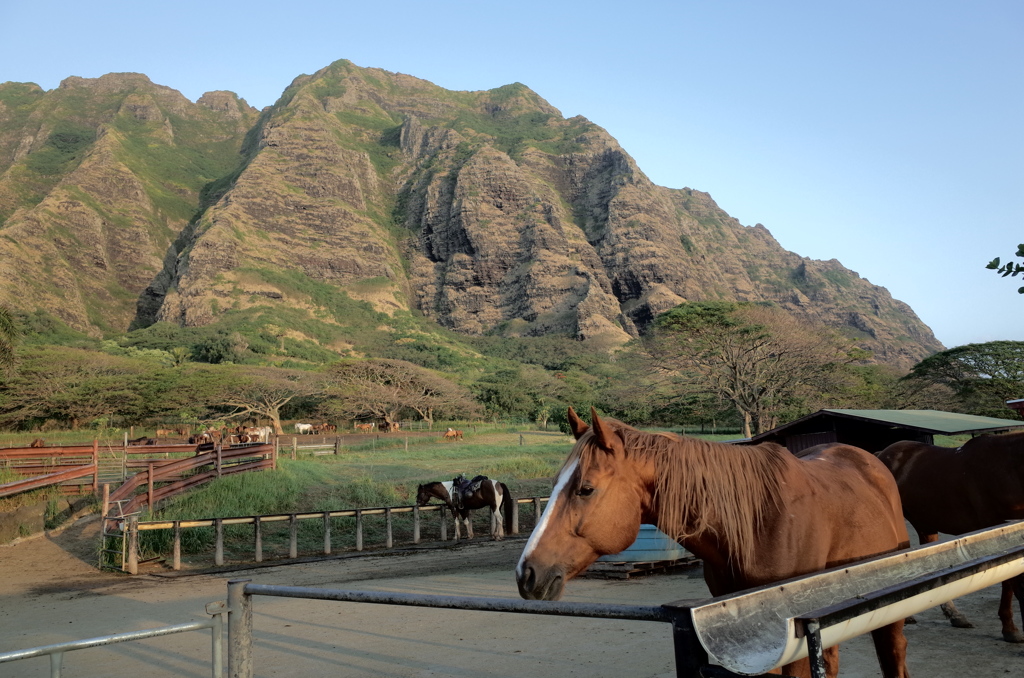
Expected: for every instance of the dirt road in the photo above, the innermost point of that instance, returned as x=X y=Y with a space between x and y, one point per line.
x=50 y=592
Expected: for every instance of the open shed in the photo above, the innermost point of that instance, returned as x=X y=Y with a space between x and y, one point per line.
x=874 y=430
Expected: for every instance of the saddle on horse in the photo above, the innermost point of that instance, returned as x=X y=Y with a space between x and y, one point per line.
x=463 y=487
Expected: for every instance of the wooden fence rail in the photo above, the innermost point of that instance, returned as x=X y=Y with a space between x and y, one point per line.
x=135 y=526
x=170 y=472
x=58 y=478
x=50 y=466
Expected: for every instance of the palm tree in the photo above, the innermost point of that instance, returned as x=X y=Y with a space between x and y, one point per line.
x=9 y=333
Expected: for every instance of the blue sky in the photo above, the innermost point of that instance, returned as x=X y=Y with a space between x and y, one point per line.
x=886 y=135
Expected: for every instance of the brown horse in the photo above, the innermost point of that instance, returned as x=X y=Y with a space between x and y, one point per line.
x=753 y=514
x=488 y=493
x=954 y=491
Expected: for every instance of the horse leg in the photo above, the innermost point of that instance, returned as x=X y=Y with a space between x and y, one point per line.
x=802 y=667
x=1011 y=586
x=955 y=617
x=469 y=525
x=498 y=527
x=891 y=649
x=455 y=515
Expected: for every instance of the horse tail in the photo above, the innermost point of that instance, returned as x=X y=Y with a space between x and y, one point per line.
x=507 y=503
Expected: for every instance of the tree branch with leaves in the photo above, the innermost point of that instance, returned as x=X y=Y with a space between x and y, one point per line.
x=1010 y=268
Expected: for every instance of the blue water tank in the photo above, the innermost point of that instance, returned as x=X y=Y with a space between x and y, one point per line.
x=651 y=545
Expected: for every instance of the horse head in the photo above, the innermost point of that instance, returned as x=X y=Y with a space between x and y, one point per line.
x=423 y=495
x=595 y=509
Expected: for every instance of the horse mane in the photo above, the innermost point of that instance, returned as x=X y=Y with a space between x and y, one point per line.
x=703 y=486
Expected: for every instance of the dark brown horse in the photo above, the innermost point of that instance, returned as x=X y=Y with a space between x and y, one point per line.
x=754 y=515
x=958 y=490
x=489 y=493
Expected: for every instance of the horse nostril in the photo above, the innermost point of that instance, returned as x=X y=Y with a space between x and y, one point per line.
x=530 y=578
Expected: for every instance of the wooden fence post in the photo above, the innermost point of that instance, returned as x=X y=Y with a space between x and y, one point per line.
x=95 y=466
x=389 y=540
x=293 y=537
x=295 y=447
x=444 y=524
x=327 y=533
x=218 y=553
x=515 y=517
x=149 y=493
x=258 y=537
x=133 y=544
x=536 y=510
x=218 y=449
x=416 y=524
x=177 y=545
x=106 y=499
x=277 y=451
x=359 y=530
x=337 y=445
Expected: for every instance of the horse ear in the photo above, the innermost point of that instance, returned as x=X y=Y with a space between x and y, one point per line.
x=577 y=425
x=603 y=433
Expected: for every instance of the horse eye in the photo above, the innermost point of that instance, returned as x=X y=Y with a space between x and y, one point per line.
x=585 y=491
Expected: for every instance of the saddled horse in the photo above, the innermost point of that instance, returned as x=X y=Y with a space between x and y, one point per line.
x=754 y=514
x=492 y=494
x=958 y=490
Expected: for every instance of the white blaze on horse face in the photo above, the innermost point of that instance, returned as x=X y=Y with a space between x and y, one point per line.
x=556 y=495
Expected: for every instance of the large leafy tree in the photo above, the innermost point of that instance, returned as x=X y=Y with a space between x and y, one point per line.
x=263 y=391
x=74 y=387
x=758 y=359
x=384 y=389
x=982 y=376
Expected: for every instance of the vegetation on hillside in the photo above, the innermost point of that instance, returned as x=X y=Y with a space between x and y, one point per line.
x=712 y=364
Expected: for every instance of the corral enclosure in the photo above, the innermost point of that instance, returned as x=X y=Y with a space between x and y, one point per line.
x=54 y=595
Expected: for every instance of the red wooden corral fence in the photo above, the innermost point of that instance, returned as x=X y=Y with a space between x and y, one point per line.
x=164 y=478
x=49 y=466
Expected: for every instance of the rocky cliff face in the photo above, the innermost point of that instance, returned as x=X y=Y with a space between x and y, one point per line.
x=485 y=211
x=97 y=180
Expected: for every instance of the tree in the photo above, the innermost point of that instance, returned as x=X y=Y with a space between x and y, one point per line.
x=982 y=376
x=757 y=358
x=264 y=391
x=10 y=332
x=382 y=389
x=1010 y=268
x=74 y=386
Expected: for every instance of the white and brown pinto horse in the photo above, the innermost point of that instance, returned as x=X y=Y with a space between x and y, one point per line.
x=754 y=514
x=958 y=490
x=491 y=494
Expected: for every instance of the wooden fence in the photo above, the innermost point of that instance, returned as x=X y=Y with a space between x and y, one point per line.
x=164 y=478
x=134 y=527
x=48 y=466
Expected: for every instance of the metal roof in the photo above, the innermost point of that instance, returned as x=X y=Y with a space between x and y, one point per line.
x=931 y=421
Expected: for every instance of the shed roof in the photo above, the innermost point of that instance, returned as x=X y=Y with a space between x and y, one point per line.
x=927 y=421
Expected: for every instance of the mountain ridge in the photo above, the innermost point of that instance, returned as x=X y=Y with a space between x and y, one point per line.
x=486 y=212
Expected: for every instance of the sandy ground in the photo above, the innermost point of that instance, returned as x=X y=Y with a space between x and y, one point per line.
x=51 y=592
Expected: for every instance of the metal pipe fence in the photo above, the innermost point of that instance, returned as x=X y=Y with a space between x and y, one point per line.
x=871 y=604
x=56 y=651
